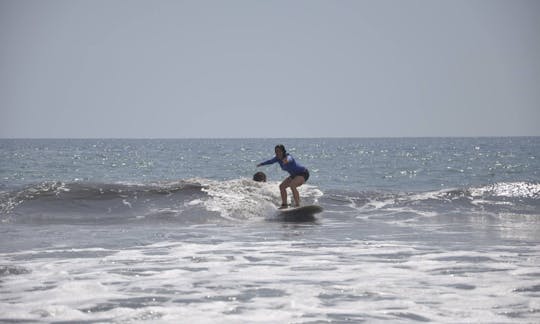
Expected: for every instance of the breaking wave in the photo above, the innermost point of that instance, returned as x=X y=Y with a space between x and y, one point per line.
x=203 y=200
x=508 y=199
x=190 y=201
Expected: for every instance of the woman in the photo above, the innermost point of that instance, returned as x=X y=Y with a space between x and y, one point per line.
x=298 y=174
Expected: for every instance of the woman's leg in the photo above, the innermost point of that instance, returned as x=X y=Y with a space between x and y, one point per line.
x=296 y=182
x=283 y=190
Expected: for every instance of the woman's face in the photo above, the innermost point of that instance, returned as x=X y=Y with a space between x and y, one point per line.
x=279 y=153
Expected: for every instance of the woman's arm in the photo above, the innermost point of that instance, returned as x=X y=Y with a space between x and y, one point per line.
x=271 y=161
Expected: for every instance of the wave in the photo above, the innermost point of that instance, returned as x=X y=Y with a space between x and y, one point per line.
x=203 y=200
x=187 y=201
x=506 y=198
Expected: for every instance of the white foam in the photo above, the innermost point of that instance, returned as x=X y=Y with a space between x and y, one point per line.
x=509 y=189
x=194 y=202
x=283 y=281
x=126 y=203
x=243 y=198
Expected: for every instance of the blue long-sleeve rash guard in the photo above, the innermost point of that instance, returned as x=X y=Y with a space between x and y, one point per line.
x=291 y=166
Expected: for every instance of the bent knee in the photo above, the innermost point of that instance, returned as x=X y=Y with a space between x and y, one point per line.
x=295 y=186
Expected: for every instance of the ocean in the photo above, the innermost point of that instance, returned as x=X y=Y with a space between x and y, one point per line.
x=443 y=230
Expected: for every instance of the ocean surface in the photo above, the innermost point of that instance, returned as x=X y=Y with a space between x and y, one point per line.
x=443 y=230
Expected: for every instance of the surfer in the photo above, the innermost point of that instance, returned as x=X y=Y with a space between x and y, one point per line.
x=259 y=177
x=298 y=174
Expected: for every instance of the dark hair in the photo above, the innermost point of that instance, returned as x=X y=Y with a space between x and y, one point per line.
x=282 y=148
x=259 y=177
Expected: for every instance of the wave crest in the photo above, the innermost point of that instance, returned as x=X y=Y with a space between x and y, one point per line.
x=193 y=201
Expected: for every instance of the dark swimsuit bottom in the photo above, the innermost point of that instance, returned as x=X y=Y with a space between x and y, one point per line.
x=304 y=174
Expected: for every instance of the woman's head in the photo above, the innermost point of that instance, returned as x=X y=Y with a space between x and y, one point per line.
x=280 y=151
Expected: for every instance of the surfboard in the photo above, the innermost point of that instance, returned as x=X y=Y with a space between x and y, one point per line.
x=299 y=214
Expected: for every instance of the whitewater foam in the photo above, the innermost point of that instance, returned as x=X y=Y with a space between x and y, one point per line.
x=508 y=190
x=292 y=281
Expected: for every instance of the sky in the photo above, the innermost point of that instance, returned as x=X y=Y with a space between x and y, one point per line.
x=258 y=69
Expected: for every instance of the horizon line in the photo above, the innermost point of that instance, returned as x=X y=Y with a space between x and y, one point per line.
x=261 y=138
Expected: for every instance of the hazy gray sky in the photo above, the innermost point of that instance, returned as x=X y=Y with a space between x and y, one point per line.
x=269 y=68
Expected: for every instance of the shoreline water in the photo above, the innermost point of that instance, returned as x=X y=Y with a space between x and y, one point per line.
x=175 y=230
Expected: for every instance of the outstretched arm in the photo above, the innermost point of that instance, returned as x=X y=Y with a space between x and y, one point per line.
x=271 y=161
